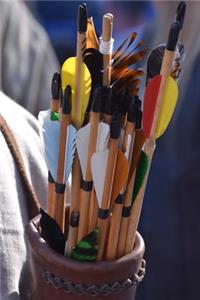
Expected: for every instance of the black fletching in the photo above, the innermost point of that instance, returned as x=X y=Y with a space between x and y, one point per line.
x=131 y=112
x=82 y=18
x=51 y=232
x=67 y=101
x=97 y=99
x=55 y=86
x=155 y=60
x=94 y=61
x=115 y=127
x=107 y=100
x=137 y=112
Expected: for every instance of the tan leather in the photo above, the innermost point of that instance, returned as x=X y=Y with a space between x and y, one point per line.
x=48 y=265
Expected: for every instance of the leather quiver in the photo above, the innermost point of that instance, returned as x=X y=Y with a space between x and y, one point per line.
x=56 y=277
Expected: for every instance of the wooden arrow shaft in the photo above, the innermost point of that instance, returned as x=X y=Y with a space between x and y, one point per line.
x=86 y=195
x=137 y=205
x=117 y=208
x=93 y=211
x=125 y=220
x=94 y=128
x=59 y=210
x=107 y=36
x=110 y=172
x=74 y=207
x=65 y=121
x=138 y=144
x=84 y=214
x=103 y=226
x=81 y=45
x=106 y=198
x=59 y=206
x=51 y=199
x=114 y=231
x=55 y=105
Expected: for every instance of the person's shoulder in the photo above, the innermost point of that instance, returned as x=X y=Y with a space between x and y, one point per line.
x=17 y=117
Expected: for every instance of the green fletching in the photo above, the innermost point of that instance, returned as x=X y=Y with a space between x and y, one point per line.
x=85 y=245
x=54 y=116
x=87 y=248
x=140 y=174
x=81 y=257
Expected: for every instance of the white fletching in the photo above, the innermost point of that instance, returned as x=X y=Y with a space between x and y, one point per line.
x=98 y=168
x=82 y=142
x=49 y=133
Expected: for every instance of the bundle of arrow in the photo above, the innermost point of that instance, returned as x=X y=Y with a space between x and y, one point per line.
x=96 y=134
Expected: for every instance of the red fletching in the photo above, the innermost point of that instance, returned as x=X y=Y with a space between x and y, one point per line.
x=150 y=99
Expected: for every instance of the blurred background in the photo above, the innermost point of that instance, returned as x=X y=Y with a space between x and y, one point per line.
x=37 y=36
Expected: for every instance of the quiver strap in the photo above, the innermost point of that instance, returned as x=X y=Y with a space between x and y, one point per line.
x=31 y=198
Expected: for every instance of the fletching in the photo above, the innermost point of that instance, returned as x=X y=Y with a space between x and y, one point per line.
x=121 y=174
x=150 y=97
x=82 y=142
x=87 y=248
x=140 y=174
x=92 y=40
x=98 y=168
x=68 y=78
x=168 y=105
x=51 y=232
x=167 y=109
x=49 y=133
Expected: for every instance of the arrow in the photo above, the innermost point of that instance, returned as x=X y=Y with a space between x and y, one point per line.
x=159 y=88
x=138 y=144
x=103 y=166
x=106 y=47
x=75 y=71
x=157 y=125
x=127 y=148
x=58 y=140
x=54 y=116
x=91 y=138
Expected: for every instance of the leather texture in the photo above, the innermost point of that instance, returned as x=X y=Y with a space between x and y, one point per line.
x=56 y=277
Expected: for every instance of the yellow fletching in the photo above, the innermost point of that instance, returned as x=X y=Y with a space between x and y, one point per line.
x=168 y=105
x=68 y=78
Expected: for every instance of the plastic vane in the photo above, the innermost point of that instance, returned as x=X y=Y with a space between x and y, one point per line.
x=50 y=140
x=68 y=78
x=82 y=142
x=87 y=248
x=140 y=174
x=169 y=102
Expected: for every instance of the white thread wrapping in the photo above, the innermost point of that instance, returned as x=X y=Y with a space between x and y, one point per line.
x=106 y=47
